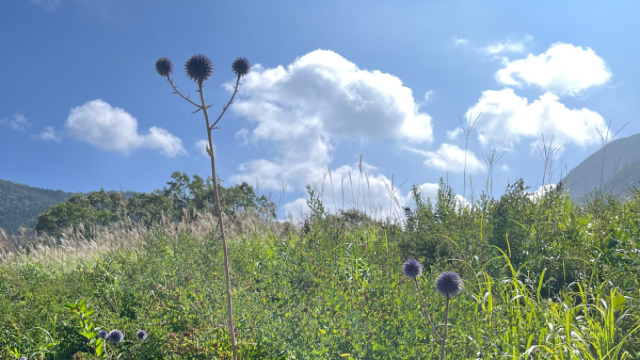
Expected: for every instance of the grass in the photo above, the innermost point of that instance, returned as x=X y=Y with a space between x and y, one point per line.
x=335 y=290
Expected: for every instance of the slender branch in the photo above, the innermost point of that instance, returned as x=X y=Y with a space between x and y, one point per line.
x=426 y=312
x=175 y=89
x=222 y=236
x=224 y=108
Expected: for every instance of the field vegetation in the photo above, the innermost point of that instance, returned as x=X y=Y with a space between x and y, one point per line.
x=544 y=278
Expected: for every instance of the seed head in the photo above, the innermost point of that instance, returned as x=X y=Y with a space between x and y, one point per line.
x=115 y=336
x=240 y=66
x=199 y=68
x=141 y=335
x=103 y=334
x=412 y=268
x=449 y=284
x=164 y=66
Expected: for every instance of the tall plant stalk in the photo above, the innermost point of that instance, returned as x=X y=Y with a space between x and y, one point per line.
x=199 y=69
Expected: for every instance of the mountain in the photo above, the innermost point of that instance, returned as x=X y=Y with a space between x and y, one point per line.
x=21 y=204
x=618 y=166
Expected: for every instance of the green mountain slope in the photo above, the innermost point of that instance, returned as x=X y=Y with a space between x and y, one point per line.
x=21 y=204
x=624 y=181
x=620 y=154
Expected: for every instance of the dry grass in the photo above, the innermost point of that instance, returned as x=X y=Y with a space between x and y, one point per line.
x=74 y=245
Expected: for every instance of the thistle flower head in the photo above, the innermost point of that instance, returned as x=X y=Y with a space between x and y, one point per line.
x=412 y=268
x=164 y=66
x=115 y=336
x=240 y=66
x=24 y=358
x=199 y=68
x=449 y=284
x=141 y=335
x=103 y=334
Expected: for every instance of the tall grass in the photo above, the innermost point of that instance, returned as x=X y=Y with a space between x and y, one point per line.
x=563 y=285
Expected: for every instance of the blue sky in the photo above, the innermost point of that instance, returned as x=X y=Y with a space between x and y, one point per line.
x=81 y=107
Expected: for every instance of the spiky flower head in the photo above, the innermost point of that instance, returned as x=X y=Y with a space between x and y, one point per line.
x=115 y=336
x=164 y=66
x=240 y=66
x=103 y=334
x=199 y=68
x=24 y=358
x=141 y=335
x=449 y=284
x=412 y=268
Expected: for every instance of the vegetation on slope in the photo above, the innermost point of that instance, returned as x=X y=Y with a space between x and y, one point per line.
x=20 y=204
x=543 y=279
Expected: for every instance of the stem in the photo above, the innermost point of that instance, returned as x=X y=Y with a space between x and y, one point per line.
x=425 y=310
x=179 y=93
x=219 y=211
x=224 y=108
x=446 y=319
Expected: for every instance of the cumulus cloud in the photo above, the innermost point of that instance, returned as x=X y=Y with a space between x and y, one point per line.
x=304 y=109
x=507 y=46
x=48 y=134
x=507 y=118
x=363 y=188
x=564 y=69
x=451 y=158
x=110 y=128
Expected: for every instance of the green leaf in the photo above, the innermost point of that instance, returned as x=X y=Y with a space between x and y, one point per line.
x=618 y=302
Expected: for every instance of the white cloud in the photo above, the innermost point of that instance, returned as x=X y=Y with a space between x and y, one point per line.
x=18 y=122
x=111 y=128
x=460 y=42
x=507 y=118
x=47 y=4
x=451 y=158
x=48 y=134
x=304 y=109
x=453 y=134
x=504 y=168
x=507 y=46
x=563 y=69
x=348 y=188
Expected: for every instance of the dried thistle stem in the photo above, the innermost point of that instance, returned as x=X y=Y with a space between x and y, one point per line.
x=214 y=179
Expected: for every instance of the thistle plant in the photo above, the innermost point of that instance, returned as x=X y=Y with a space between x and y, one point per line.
x=199 y=69
x=448 y=284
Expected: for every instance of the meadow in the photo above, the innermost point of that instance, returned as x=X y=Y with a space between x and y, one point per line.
x=544 y=278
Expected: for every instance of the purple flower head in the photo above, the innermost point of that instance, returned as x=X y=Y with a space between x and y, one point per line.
x=240 y=66
x=115 y=336
x=164 y=66
x=103 y=334
x=449 y=284
x=199 y=68
x=141 y=335
x=412 y=268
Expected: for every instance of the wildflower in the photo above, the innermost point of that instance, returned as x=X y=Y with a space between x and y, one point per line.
x=412 y=268
x=141 y=335
x=164 y=66
x=115 y=336
x=103 y=334
x=240 y=66
x=199 y=68
x=449 y=284
x=24 y=358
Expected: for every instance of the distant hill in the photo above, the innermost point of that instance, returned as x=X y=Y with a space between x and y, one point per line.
x=621 y=169
x=21 y=204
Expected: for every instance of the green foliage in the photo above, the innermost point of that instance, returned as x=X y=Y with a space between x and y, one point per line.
x=567 y=290
x=181 y=196
x=20 y=204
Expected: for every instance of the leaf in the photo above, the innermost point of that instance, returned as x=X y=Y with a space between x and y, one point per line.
x=618 y=302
